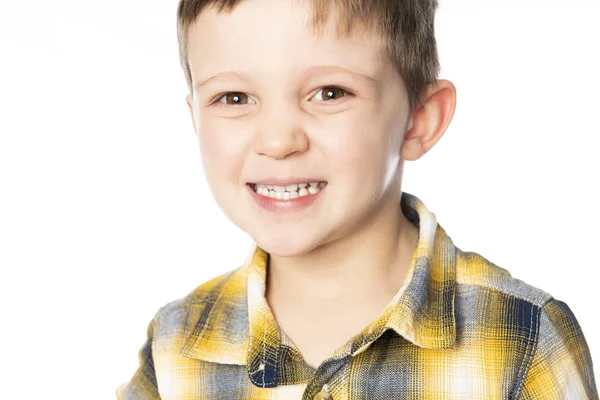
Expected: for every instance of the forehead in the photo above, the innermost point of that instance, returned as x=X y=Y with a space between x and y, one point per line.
x=275 y=37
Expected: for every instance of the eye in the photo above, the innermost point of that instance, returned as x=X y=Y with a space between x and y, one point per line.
x=331 y=92
x=240 y=98
x=234 y=98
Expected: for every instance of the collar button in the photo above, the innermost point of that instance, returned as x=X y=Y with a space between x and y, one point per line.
x=323 y=395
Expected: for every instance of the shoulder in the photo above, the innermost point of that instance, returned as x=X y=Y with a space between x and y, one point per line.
x=474 y=270
x=561 y=366
x=174 y=316
x=492 y=290
x=490 y=302
x=544 y=333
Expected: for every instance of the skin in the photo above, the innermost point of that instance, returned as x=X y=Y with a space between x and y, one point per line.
x=337 y=263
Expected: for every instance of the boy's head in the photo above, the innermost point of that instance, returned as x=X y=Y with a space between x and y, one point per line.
x=314 y=90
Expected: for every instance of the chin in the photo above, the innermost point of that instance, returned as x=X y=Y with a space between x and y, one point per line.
x=284 y=246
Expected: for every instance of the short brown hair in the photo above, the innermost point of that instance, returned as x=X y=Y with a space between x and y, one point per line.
x=406 y=27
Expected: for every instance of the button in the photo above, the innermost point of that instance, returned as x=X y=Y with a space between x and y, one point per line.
x=323 y=395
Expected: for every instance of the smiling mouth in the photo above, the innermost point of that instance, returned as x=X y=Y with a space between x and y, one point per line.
x=289 y=191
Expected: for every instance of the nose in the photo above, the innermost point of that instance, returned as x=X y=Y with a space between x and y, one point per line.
x=280 y=133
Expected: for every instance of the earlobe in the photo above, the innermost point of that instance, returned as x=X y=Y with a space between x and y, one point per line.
x=429 y=122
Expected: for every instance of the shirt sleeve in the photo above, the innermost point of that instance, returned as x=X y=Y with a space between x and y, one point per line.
x=562 y=365
x=143 y=385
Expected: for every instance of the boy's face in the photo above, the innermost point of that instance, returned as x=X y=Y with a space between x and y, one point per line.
x=282 y=123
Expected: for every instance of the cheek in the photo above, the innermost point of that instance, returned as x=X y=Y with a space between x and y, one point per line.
x=221 y=154
x=358 y=152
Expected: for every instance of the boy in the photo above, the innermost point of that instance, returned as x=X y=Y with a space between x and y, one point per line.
x=305 y=112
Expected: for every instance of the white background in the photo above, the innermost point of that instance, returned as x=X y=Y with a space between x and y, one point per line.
x=105 y=215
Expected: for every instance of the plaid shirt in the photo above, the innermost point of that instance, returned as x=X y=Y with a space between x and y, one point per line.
x=459 y=328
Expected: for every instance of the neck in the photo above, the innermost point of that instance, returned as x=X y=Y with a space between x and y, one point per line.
x=370 y=264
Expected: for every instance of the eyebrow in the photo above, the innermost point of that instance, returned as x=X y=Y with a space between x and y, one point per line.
x=314 y=69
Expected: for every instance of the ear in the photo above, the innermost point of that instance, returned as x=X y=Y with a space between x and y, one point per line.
x=190 y=102
x=430 y=120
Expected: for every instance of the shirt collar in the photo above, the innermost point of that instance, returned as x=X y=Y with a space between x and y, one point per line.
x=230 y=321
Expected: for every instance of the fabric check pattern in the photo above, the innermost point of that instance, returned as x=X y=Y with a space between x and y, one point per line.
x=460 y=327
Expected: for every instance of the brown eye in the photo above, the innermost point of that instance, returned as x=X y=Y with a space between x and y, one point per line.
x=331 y=93
x=235 y=98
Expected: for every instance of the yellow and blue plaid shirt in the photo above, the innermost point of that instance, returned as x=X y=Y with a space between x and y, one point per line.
x=459 y=328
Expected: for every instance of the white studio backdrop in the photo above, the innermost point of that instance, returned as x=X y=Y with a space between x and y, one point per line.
x=105 y=214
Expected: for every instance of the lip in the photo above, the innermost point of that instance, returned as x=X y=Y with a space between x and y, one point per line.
x=286 y=181
x=286 y=206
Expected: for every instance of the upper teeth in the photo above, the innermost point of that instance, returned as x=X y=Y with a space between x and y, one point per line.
x=289 y=191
